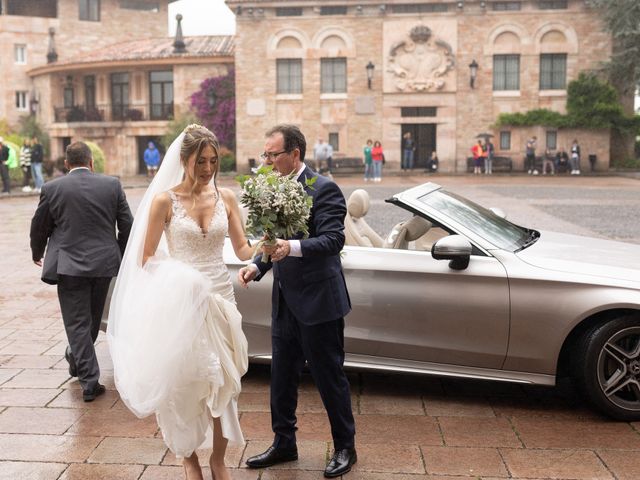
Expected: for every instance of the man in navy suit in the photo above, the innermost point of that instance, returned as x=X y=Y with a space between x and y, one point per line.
x=309 y=302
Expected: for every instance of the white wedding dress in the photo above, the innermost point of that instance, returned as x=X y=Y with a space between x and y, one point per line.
x=180 y=352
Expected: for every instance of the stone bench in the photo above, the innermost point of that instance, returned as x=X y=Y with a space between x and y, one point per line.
x=347 y=165
x=500 y=164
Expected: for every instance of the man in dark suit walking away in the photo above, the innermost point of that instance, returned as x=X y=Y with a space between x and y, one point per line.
x=76 y=222
x=309 y=302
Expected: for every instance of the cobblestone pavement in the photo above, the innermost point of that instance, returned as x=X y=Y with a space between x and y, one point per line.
x=409 y=428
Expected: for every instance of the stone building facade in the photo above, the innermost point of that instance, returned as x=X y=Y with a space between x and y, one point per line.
x=124 y=95
x=306 y=63
x=78 y=26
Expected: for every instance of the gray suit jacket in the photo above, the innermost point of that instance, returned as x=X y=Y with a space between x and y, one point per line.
x=77 y=217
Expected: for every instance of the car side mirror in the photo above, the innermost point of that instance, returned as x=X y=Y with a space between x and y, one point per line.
x=499 y=212
x=455 y=248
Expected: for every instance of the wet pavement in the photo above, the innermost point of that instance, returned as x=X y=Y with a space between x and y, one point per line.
x=409 y=428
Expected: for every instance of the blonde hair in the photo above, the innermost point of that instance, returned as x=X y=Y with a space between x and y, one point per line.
x=196 y=138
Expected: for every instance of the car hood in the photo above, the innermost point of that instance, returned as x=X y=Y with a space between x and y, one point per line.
x=584 y=255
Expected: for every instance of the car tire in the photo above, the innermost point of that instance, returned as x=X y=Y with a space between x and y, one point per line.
x=607 y=367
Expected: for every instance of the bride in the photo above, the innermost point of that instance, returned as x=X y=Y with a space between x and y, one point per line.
x=174 y=332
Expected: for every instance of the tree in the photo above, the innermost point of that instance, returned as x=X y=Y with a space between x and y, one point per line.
x=215 y=105
x=622 y=20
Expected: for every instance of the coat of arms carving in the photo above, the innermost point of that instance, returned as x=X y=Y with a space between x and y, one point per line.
x=420 y=62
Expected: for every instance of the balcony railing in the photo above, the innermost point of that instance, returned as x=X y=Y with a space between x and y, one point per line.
x=114 y=113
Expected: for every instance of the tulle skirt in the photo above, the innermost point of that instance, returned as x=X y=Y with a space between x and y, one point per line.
x=179 y=351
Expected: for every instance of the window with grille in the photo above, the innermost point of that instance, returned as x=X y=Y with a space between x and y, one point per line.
x=506 y=6
x=553 y=4
x=553 y=71
x=333 y=75
x=22 y=102
x=334 y=141
x=20 y=53
x=506 y=72
x=333 y=10
x=119 y=95
x=418 y=111
x=161 y=93
x=89 y=10
x=90 y=91
x=289 y=75
x=505 y=140
x=288 y=11
x=419 y=7
x=552 y=140
x=140 y=5
x=68 y=96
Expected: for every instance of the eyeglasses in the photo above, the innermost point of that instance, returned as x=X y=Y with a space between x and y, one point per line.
x=271 y=155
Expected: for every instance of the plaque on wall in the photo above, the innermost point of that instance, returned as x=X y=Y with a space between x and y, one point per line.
x=256 y=107
x=365 y=105
x=420 y=62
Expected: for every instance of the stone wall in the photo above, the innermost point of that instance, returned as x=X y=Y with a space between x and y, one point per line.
x=430 y=71
x=72 y=36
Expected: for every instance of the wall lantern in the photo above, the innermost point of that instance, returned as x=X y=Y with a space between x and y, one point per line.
x=370 y=66
x=211 y=98
x=473 y=73
x=33 y=103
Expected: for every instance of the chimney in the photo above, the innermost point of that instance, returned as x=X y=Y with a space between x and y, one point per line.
x=178 y=43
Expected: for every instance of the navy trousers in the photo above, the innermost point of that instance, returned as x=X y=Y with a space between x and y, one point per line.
x=322 y=347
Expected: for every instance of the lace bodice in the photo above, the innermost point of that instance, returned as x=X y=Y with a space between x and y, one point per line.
x=189 y=243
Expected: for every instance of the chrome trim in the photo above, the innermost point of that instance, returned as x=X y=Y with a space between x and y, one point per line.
x=359 y=362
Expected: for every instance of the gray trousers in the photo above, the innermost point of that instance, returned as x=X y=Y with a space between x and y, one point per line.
x=82 y=301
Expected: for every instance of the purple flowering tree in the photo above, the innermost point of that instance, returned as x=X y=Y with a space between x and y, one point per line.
x=215 y=105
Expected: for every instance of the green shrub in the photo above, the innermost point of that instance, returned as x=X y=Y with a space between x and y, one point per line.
x=175 y=128
x=630 y=163
x=98 y=157
x=227 y=160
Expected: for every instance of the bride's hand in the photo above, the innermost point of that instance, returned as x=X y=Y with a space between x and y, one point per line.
x=247 y=274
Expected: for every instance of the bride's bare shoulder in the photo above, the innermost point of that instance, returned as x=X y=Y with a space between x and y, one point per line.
x=227 y=194
x=162 y=203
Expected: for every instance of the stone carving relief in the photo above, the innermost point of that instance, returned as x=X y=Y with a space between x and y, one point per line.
x=420 y=62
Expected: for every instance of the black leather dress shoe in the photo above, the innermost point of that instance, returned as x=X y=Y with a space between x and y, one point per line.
x=73 y=370
x=90 y=395
x=273 y=456
x=341 y=462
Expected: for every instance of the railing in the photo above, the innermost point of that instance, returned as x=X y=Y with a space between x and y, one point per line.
x=114 y=112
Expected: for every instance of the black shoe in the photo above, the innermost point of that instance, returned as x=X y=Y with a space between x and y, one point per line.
x=341 y=462
x=90 y=395
x=73 y=370
x=272 y=456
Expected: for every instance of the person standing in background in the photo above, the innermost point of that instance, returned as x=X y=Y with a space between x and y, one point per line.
x=151 y=159
x=377 y=155
x=37 y=155
x=488 y=157
x=477 y=151
x=319 y=154
x=368 y=162
x=4 y=169
x=408 y=152
x=575 y=158
x=530 y=152
x=25 y=164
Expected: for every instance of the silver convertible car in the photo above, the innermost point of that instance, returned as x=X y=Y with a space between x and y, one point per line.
x=458 y=290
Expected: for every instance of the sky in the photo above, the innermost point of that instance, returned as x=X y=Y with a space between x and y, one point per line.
x=202 y=17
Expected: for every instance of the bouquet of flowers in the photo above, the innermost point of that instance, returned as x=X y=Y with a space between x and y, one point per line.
x=278 y=205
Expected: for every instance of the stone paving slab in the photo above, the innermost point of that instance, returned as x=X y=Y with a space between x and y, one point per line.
x=409 y=428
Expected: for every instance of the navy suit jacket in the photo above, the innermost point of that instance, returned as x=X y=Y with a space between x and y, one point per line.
x=76 y=222
x=313 y=286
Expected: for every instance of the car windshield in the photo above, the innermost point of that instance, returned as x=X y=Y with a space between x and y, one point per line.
x=482 y=221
